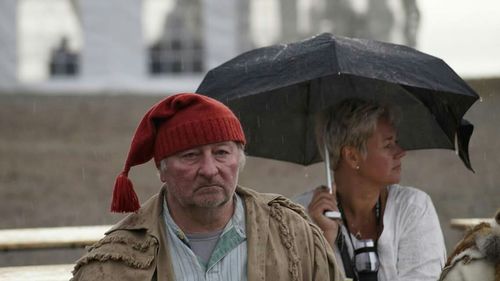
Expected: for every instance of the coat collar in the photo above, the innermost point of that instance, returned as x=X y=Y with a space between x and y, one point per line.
x=257 y=215
x=146 y=218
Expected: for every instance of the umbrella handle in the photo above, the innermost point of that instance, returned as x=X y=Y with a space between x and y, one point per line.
x=334 y=215
x=327 y=169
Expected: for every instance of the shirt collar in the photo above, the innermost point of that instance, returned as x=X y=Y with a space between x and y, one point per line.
x=237 y=220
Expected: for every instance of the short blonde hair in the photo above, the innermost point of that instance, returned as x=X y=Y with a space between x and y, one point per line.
x=349 y=123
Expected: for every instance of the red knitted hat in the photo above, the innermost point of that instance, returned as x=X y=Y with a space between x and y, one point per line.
x=176 y=123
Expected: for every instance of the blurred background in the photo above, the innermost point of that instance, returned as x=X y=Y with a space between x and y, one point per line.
x=76 y=76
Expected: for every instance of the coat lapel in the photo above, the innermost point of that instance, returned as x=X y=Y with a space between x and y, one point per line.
x=257 y=227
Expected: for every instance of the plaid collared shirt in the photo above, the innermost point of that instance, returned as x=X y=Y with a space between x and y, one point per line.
x=229 y=257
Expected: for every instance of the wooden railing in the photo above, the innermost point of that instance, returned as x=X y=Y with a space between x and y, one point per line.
x=464 y=224
x=51 y=237
x=45 y=238
x=81 y=236
x=37 y=273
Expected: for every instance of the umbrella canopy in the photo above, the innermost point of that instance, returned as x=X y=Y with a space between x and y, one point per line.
x=276 y=92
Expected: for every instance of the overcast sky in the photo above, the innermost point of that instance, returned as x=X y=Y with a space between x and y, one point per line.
x=466 y=34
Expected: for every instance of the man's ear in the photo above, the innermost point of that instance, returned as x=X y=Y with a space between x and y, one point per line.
x=351 y=157
x=162 y=173
x=162 y=170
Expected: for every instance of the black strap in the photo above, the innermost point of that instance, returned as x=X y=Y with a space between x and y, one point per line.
x=364 y=250
x=349 y=268
x=346 y=259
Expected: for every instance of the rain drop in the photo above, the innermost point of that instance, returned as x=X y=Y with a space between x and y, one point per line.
x=83 y=174
x=258 y=122
x=480 y=99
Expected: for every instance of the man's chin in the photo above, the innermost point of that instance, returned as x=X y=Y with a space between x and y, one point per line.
x=211 y=197
x=213 y=202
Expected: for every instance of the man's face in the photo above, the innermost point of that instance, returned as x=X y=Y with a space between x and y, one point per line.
x=202 y=177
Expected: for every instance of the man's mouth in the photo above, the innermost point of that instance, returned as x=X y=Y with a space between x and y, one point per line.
x=209 y=185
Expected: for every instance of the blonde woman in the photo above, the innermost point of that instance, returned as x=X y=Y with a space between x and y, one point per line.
x=386 y=231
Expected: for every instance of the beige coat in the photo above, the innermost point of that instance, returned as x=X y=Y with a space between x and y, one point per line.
x=282 y=245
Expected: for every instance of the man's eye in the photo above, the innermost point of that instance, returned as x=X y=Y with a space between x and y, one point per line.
x=221 y=152
x=189 y=155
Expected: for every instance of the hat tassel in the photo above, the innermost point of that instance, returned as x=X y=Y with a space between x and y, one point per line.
x=124 y=197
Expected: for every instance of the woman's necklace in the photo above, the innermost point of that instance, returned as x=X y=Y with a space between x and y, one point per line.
x=358 y=234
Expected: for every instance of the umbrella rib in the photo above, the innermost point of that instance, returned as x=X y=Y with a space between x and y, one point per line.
x=415 y=98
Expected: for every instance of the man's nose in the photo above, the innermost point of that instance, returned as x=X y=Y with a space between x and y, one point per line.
x=208 y=166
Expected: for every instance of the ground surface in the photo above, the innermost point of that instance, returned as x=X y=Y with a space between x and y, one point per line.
x=59 y=156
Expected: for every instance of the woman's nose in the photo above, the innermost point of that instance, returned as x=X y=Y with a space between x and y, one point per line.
x=400 y=152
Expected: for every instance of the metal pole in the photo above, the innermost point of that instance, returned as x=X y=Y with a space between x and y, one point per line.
x=327 y=169
x=329 y=214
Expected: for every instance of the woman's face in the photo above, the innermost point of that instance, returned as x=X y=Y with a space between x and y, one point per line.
x=382 y=163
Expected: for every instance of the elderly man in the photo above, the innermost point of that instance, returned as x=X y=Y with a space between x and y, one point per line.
x=201 y=225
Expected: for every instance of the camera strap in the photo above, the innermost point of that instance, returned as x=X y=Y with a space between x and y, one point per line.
x=346 y=259
x=349 y=267
x=365 y=250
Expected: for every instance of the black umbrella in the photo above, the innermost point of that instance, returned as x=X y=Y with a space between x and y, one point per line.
x=276 y=91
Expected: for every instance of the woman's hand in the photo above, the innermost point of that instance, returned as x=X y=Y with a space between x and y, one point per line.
x=321 y=202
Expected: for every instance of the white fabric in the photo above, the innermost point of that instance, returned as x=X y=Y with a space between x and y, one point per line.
x=411 y=246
